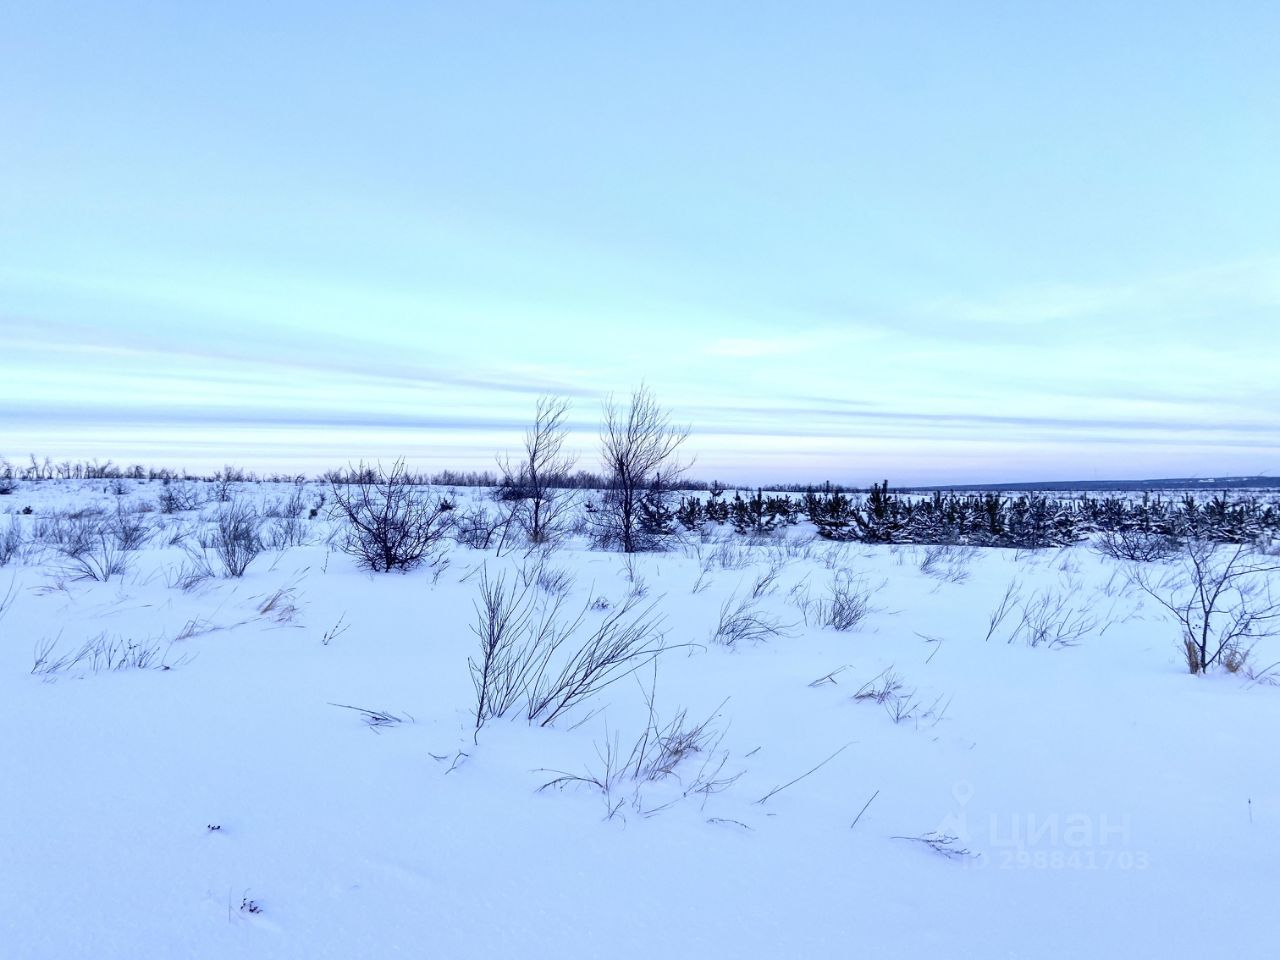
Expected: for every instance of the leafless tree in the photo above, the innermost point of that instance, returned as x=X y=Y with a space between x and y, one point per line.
x=1220 y=596
x=534 y=485
x=640 y=453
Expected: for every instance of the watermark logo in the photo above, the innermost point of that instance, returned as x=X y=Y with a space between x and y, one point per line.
x=1038 y=840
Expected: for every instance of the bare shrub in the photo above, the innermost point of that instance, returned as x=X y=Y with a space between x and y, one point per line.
x=767 y=582
x=223 y=491
x=1235 y=657
x=743 y=621
x=554 y=581
x=1221 y=598
x=792 y=548
x=635 y=579
x=103 y=653
x=131 y=530
x=281 y=533
x=178 y=498
x=287 y=508
x=236 y=538
x=1136 y=546
x=91 y=552
x=517 y=638
x=846 y=605
x=174 y=533
x=665 y=746
x=476 y=527
x=729 y=553
x=627 y=639
x=903 y=707
x=1012 y=595
x=280 y=606
x=391 y=523
x=836 y=555
x=946 y=562
x=189 y=575
x=658 y=755
x=1051 y=620
x=532 y=652
x=70 y=532
x=11 y=540
x=882 y=688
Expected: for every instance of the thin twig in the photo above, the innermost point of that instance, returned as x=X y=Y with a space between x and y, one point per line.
x=863 y=810
x=780 y=788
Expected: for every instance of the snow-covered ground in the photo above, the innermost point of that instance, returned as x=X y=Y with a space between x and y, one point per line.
x=1087 y=798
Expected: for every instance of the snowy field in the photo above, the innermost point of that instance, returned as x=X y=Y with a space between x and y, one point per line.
x=1001 y=754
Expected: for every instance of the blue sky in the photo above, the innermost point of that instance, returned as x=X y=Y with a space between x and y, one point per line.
x=931 y=241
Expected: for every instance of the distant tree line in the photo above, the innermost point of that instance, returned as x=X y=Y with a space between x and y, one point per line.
x=635 y=506
x=37 y=469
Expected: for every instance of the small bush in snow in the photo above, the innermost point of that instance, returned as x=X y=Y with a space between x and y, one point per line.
x=881 y=689
x=534 y=654
x=91 y=551
x=554 y=581
x=280 y=533
x=178 y=498
x=187 y=576
x=1051 y=620
x=946 y=562
x=236 y=538
x=743 y=621
x=847 y=604
x=130 y=529
x=288 y=508
x=11 y=540
x=1137 y=546
x=476 y=527
x=659 y=755
x=391 y=523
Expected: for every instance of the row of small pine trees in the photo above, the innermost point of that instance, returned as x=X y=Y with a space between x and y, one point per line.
x=986 y=519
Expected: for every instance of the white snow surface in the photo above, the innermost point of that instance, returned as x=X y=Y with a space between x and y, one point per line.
x=1111 y=804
